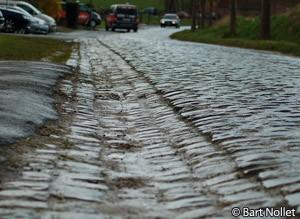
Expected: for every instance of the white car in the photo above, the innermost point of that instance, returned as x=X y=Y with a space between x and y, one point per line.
x=170 y=20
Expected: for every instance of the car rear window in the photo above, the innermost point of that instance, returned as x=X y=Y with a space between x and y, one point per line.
x=126 y=10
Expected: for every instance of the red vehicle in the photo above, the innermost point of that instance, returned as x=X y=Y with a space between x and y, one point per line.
x=86 y=16
x=123 y=16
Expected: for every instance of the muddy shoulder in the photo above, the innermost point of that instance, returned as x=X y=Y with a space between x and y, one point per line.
x=48 y=132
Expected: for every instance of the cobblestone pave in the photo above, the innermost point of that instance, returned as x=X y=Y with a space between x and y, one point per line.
x=245 y=102
x=155 y=134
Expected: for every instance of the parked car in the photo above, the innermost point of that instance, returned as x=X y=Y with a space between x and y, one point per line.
x=122 y=16
x=95 y=19
x=183 y=15
x=170 y=20
x=150 y=10
x=2 y=20
x=86 y=17
x=33 y=11
x=37 y=13
x=15 y=21
x=37 y=25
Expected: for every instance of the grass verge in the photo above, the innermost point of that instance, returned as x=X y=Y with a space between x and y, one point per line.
x=34 y=48
x=285 y=35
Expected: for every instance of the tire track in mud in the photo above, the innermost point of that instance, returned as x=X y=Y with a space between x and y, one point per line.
x=222 y=175
x=142 y=152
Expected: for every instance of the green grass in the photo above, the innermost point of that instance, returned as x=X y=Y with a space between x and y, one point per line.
x=285 y=34
x=141 y=4
x=28 y=48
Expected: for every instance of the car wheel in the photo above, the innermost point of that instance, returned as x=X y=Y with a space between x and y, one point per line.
x=106 y=28
x=9 y=26
x=21 y=31
x=113 y=29
x=93 y=24
x=128 y=30
x=177 y=26
x=135 y=30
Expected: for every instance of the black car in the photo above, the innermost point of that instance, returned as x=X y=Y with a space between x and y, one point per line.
x=123 y=16
x=2 y=20
x=15 y=21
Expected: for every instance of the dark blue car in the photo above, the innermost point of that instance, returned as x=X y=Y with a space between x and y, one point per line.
x=15 y=21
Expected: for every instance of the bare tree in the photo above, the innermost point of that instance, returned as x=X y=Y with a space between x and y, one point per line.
x=203 y=13
x=232 y=17
x=171 y=5
x=265 y=19
x=211 y=10
x=194 y=14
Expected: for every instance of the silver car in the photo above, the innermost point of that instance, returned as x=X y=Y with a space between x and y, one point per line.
x=37 y=25
x=170 y=20
x=31 y=10
x=2 y=21
x=38 y=14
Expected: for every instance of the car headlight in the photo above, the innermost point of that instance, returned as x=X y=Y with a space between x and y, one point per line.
x=173 y=22
x=162 y=21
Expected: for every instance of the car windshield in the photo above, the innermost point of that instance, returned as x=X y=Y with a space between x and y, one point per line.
x=31 y=10
x=130 y=11
x=22 y=10
x=170 y=16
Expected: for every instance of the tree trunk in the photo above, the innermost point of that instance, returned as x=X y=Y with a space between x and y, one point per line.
x=265 y=19
x=211 y=10
x=232 y=17
x=194 y=12
x=172 y=6
x=203 y=13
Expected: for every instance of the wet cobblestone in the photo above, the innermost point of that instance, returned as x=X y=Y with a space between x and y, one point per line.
x=166 y=129
x=245 y=102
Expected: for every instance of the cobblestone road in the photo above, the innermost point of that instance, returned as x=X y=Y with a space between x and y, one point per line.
x=166 y=129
